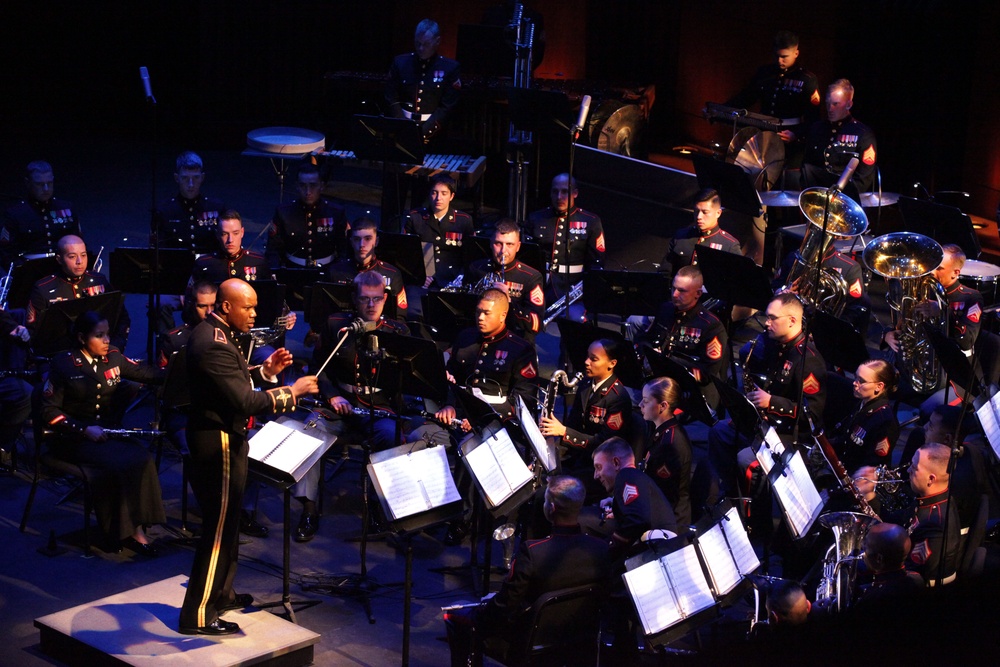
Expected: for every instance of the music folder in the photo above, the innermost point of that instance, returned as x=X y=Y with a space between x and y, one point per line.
x=414 y=486
x=285 y=449
x=800 y=502
x=501 y=476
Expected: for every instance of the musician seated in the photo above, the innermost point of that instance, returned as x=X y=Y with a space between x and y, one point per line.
x=784 y=365
x=311 y=230
x=73 y=281
x=690 y=334
x=667 y=458
x=188 y=219
x=521 y=283
x=364 y=240
x=565 y=559
x=348 y=384
x=601 y=409
x=867 y=435
x=15 y=393
x=76 y=407
x=885 y=549
x=706 y=231
x=857 y=304
x=29 y=227
x=228 y=258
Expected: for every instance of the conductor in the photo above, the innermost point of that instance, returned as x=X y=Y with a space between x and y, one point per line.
x=222 y=401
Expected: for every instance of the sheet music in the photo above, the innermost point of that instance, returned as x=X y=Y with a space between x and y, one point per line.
x=721 y=566
x=668 y=590
x=498 y=467
x=416 y=482
x=545 y=453
x=739 y=543
x=795 y=489
x=282 y=447
x=991 y=425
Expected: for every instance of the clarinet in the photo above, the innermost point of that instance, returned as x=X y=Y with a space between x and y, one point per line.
x=138 y=432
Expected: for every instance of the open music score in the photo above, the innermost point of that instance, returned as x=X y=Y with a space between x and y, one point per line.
x=466 y=169
x=416 y=482
x=728 y=554
x=669 y=590
x=796 y=491
x=989 y=418
x=497 y=467
x=284 y=448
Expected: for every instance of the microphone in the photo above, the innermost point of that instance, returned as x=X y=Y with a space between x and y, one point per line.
x=846 y=176
x=357 y=325
x=582 y=118
x=144 y=75
x=307 y=402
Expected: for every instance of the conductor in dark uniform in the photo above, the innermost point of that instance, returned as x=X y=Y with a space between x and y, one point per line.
x=705 y=231
x=188 y=219
x=222 y=401
x=311 y=231
x=73 y=281
x=32 y=228
x=523 y=284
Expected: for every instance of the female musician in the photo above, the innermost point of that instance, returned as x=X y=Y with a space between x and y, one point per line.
x=871 y=430
x=602 y=409
x=668 y=449
x=76 y=407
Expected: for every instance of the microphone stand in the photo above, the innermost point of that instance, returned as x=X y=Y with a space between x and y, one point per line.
x=153 y=305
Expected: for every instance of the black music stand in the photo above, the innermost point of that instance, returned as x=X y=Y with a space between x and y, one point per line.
x=944 y=224
x=395 y=140
x=297 y=281
x=405 y=253
x=539 y=110
x=838 y=341
x=625 y=293
x=733 y=278
x=957 y=367
x=577 y=337
x=52 y=333
x=25 y=275
x=325 y=299
x=131 y=269
x=746 y=419
x=451 y=312
x=734 y=185
x=692 y=396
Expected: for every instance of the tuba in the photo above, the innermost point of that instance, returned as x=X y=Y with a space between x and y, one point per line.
x=840 y=564
x=906 y=260
x=845 y=220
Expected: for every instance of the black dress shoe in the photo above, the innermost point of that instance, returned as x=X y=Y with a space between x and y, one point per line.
x=216 y=627
x=241 y=601
x=308 y=525
x=147 y=550
x=249 y=525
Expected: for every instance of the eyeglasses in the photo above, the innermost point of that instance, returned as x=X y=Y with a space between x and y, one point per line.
x=775 y=318
x=371 y=300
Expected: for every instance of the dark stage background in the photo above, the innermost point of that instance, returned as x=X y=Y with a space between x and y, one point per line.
x=925 y=71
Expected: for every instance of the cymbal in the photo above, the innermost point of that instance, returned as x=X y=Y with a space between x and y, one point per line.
x=761 y=154
x=780 y=198
x=872 y=199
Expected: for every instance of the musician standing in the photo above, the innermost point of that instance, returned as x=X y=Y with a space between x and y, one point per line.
x=785 y=365
x=33 y=227
x=222 y=401
x=690 y=334
x=522 y=283
x=73 y=281
x=188 y=219
x=706 y=231
x=311 y=231
x=571 y=238
x=785 y=90
x=228 y=258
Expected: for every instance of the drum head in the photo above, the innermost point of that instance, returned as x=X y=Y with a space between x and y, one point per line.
x=285 y=140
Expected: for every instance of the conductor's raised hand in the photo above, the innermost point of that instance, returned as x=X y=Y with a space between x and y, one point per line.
x=279 y=360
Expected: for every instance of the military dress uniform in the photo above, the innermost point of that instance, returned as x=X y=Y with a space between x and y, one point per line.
x=222 y=401
x=598 y=414
x=443 y=238
x=857 y=305
x=868 y=435
x=524 y=289
x=175 y=407
x=791 y=95
x=32 y=228
x=683 y=248
x=219 y=266
x=638 y=505
x=79 y=393
x=668 y=463
x=306 y=235
x=965 y=313
x=423 y=90
x=189 y=223
x=59 y=287
x=696 y=339
x=573 y=242
x=926 y=529
x=830 y=146
x=501 y=366
x=345 y=271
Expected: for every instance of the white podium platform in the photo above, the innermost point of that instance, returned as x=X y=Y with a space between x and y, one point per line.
x=139 y=627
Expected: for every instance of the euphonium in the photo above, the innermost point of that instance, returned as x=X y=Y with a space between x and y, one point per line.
x=906 y=260
x=841 y=560
x=845 y=219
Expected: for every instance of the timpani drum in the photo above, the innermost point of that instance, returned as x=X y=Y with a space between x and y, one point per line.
x=984 y=277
